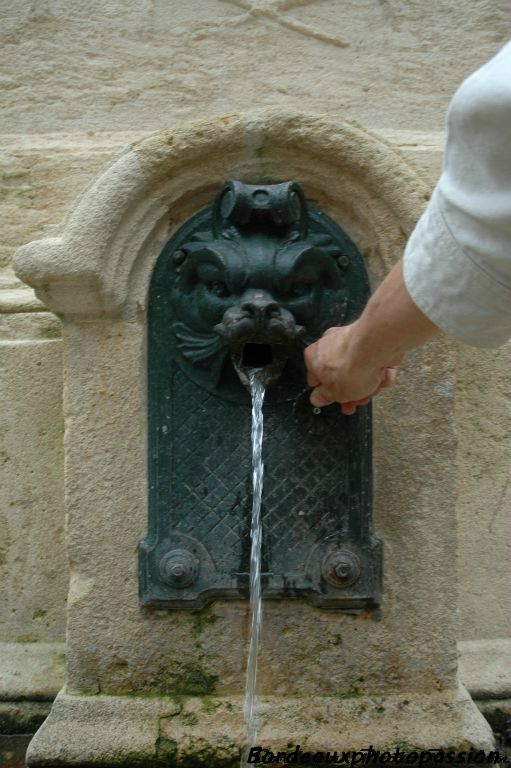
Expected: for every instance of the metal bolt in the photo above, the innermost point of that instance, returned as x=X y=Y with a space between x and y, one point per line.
x=341 y=568
x=316 y=411
x=343 y=262
x=178 y=257
x=179 y=568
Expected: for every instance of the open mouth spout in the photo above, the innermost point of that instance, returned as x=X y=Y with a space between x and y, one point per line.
x=267 y=359
x=261 y=340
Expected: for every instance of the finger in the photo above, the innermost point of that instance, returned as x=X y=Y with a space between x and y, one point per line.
x=308 y=355
x=349 y=408
x=312 y=379
x=333 y=329
x=321 y=396
x=388 y=380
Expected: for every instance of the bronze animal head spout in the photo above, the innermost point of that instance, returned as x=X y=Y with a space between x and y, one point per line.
x=259 y=286
x=260 y=334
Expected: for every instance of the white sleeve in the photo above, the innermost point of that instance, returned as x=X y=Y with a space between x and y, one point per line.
x=457 y=262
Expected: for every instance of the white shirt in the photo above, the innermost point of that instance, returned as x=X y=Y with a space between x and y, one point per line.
x=457 y=262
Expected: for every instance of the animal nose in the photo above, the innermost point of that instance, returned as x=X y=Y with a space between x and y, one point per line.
x=260 y=308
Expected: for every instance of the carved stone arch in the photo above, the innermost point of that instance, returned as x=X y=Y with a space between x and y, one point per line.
x=102 y=261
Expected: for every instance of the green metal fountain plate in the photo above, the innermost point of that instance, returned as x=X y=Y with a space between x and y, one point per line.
x=249 y=282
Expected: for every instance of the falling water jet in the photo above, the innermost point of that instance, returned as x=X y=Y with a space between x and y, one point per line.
x=250 y=728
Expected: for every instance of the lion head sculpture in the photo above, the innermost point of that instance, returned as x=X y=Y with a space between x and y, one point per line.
x=259 y=284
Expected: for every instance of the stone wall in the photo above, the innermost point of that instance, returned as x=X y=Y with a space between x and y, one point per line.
x=82 y=81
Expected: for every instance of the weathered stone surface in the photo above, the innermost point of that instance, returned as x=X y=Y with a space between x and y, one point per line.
x=144 y=65
x=31 y=670
x=483 y=415
x=33 y=563
x=485 y=668
x=105 y=729
x=80 y=85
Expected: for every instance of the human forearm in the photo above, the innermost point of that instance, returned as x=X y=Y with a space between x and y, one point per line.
x=390 y=325
x=352 y=363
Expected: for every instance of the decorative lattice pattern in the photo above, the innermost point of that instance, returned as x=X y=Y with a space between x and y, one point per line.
x=306 y=489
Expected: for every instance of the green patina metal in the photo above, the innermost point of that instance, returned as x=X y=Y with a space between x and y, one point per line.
x=249 y=282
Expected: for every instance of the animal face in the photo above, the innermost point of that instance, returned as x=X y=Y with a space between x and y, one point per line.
x=255 y=281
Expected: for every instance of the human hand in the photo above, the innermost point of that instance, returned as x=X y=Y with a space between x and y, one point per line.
x=340 y=373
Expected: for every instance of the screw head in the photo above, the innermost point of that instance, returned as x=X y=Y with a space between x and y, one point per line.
x=343 y=262
x=178 y=257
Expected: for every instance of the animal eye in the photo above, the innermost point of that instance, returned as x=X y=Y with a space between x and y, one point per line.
x=296 y=290
x=217 y=288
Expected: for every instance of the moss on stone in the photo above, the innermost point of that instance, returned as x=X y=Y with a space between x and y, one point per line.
x=202 y=756
x=403 y=746
x=353 y=692
x=209 y=705
x=202 y=620
x=189 y=718
x=166 y=749
x=30 y=637
x=188 y=679
x=52 y=330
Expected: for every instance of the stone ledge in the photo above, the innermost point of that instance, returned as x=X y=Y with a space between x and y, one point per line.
x=31 y=671
x=19 y=300
x=22 y=717
x=485 y=668
x=121 y=730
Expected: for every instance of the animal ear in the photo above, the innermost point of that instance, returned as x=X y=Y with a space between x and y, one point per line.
x=293 y=257
x=228 y=257
x=325 y=242
x=199 y=252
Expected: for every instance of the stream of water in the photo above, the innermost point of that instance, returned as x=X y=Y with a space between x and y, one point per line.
x=256 y=606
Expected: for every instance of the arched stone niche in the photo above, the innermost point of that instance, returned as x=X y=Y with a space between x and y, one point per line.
x=145 y=683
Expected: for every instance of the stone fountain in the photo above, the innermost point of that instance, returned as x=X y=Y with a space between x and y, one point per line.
x=157 y=609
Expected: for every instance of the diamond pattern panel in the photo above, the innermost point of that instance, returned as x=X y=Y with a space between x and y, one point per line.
x=306 y=488
x=211 y=470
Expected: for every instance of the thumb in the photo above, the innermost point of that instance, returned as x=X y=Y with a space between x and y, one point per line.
x=321 y=396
